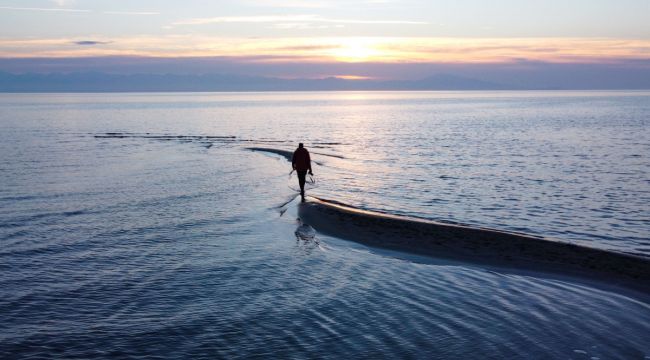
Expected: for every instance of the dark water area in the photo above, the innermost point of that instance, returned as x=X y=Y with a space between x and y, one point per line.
x=140 y=225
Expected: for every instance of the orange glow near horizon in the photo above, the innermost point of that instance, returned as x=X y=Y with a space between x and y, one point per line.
x=353 y=77
x=342 y=49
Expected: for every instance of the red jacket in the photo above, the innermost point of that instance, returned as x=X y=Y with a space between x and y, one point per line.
x=301 y=160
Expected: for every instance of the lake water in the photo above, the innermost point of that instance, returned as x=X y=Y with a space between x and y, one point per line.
x=140 y=225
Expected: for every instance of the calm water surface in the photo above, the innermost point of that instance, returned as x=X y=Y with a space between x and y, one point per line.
x=154 y=243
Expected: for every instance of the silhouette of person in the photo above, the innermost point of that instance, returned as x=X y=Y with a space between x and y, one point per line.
x=301 y=162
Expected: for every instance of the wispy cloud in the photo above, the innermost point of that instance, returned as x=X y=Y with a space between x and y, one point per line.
x=131 y=12
x=313 y=4
x=42 y=9
x=90 y=42
x=303 y=26
x=308 y=47
x=292 y=19
x=63 y=2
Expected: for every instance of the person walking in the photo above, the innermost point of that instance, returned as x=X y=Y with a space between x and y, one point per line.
x=301 y=162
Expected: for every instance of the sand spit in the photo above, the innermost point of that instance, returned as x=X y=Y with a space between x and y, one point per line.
x=115 y=135
x=289 y=154
x=284 y=153
x=477 y=245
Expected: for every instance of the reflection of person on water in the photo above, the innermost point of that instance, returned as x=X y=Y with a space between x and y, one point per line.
x=301 y=162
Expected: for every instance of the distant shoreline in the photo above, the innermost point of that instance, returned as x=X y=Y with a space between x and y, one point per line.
x=99 y=82
x=317 y=91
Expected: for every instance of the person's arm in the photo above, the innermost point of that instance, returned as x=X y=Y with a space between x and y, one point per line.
x=309 y=162
x=293 y=161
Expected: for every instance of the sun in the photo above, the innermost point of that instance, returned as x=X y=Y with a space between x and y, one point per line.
x=355 y=50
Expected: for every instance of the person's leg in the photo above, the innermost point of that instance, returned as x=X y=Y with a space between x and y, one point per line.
x=301 y=181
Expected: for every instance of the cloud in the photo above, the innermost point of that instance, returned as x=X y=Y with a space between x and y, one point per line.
x=299 y=26
x=131 y=12
x=291 y=19
x=308 y=47
x=42 y=9
x=90 y=42
x=63 y=2
x=66 y=3
x=288 y=3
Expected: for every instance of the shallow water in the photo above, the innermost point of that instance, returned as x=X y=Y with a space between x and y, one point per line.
x=136 y=244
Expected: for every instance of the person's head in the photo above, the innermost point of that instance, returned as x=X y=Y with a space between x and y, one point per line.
x=301 y=145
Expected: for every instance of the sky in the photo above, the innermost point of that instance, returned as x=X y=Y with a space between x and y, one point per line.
x=364 y=39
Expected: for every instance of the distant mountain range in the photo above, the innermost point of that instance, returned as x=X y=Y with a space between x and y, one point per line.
x=106 y=82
